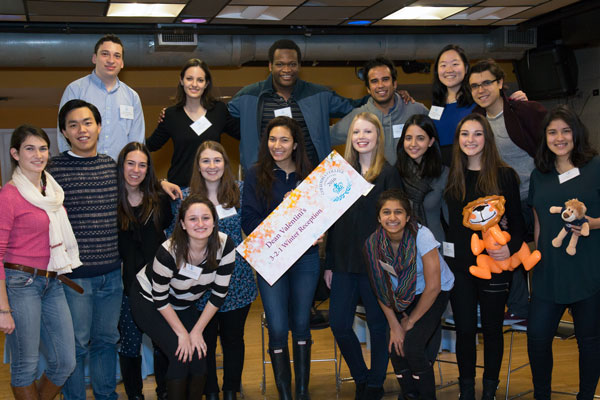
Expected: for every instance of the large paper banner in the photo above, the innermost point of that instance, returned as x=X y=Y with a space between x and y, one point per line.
x=279 y=241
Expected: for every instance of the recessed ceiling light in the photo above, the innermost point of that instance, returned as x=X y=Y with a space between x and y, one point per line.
x=144 y=10
x=359 y=22
x=193 y=20
x=433 y=13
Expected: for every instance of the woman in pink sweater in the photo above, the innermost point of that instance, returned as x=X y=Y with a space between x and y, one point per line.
x=36 y=245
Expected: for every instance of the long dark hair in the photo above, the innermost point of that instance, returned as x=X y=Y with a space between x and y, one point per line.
x=400 y=196
x=491 y=162
x=180 y=243
x=440 y=91
x=228 y=193
x=266 y=164
x=207 y=100
x=582 y=152
x=431 y=163
x=150 y=188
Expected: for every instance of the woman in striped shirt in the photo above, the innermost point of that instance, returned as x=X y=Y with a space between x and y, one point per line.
x=197 y=258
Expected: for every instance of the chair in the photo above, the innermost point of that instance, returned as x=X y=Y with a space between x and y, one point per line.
x=324 y=325
x=565 y=331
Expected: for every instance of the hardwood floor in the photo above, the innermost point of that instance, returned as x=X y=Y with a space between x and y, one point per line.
x=322 y=384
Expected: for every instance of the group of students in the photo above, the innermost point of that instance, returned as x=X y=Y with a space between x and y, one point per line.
x=185 y=290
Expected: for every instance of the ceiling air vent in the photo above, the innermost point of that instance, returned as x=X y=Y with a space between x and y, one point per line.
x=176 y=39
x=513 y=38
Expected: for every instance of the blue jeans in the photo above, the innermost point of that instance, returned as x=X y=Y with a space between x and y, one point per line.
x=42 y=322
x=287 y=303
x=346 y=289
x=544 y=317
x=95 y=316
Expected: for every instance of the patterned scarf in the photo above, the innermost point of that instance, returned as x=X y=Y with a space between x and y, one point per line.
x=396 y=293
x=416 y=188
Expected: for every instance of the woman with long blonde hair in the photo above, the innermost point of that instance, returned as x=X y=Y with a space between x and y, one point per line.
x=346 y=272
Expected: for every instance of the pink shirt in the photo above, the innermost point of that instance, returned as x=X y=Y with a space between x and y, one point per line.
x=24 y=233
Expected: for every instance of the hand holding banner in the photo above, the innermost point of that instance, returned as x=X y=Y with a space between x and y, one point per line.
x=309 y=210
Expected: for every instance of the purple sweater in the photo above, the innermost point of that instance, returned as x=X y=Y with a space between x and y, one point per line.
x=24 y=233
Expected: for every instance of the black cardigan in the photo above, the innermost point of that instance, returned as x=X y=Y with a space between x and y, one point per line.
x=176 y=126
x=346 y=238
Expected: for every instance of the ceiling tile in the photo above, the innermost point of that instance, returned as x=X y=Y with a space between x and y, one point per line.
x=72 y=9
x=509 y=21
x=381 y=9
x=508 y=3
x=12 y=7
x=494 y=13
x=446 y=22
x=544 y=8
x=309 y=13
x=340 y=3
x=265 y=2
x=204 y=8
x=106 y=20
x=446 y=3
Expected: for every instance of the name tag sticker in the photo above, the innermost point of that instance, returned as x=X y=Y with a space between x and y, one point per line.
x=126 y=112
x=387 y=268
x=225 y=212
x=190 y=271
x=436 y=112
x=567 y=176
x=448 y=249
x=201 y=125
x=397 y=130
x=283 y=112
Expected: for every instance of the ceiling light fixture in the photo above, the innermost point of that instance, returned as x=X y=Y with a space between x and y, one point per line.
x=430 y=13
x=144 y=10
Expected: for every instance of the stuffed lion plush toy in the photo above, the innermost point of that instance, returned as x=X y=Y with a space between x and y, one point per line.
x=573 y=213
x=483 y=215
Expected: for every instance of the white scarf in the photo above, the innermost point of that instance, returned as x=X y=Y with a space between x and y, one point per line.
x=64 y=253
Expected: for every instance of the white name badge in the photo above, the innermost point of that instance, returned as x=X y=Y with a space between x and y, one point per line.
x=190 y=271
x=397 y=130
x=126 y=112
x=567 y=176
x=387 y=268
x=283 y=112
x=436 y=112
x=448 y=249
x=201 y=125
x=225 y=212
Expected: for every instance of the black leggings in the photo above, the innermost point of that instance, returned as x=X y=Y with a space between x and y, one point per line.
x=491 y=295
x=229 y=326
x=422 y=342
x=151 y=322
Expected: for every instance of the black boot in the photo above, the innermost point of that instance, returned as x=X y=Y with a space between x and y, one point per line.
x=302 y=368
x=212 y=396
x=360 y=390
x=425 y=384
x=489 y=389
x=131 y=372
x=229 y=395
x=177 y=389
x=407 y=385
x=467 y=388
x=373 y=393
x=161 y=363
x=280 y=361
x=195 y=387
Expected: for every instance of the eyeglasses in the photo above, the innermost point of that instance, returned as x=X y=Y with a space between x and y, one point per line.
x=485 y=84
